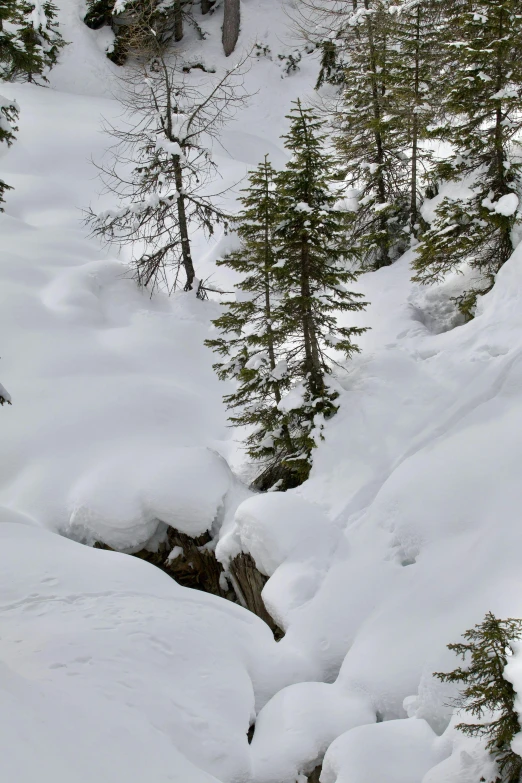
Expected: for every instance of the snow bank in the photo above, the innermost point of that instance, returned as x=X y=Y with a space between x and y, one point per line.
x=296 y=727
x=290 y=539
x=421 y=472
x=406 y=533
x=110 y=384
x=400 y=751
x=126 y=497
x=270 y=527
x=125 y=673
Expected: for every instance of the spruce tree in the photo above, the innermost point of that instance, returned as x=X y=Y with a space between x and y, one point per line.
x=371 y=140
x=252 y=335
x=413 y=77
x=8 y=116
x=482 y=104
x=30 y=40
x=485 y=694
x=313 y=272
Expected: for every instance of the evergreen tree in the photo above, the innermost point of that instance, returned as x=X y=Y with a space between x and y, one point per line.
x=482 y=104
x=313 y=252
x=29 y=39
x=485 y=693
x=413 y=78
x=371 y=140
x=8 y=116
x=252 y=334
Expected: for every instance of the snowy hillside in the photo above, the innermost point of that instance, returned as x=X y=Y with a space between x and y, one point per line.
x=406 y=533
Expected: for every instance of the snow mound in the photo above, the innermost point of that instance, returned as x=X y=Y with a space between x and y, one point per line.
x=270 y=527
x=400 y=751
x=109 y=668
x=296 y=727
x=125 y=498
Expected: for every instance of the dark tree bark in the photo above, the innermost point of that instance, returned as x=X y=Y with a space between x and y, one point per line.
x=178 y=20
x=248 y=583
x=231 y=19
x=183 y=226
x=206 y=5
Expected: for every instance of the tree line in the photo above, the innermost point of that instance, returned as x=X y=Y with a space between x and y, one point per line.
x=426 y=92
x=411 y=95
x=414 y=94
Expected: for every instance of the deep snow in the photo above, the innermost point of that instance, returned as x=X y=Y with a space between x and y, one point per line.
x=406 y=533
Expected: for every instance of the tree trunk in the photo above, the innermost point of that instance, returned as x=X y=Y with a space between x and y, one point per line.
x=377 y=114
x=231 y=18
x=313 y=360
x=178 y=20
x=183 y=226
x=415 y=127
x=248 y=583
x=206 y=5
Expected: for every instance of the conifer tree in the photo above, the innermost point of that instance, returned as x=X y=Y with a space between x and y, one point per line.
x=370 y=140
x=485 y=693
x=413 y=78
x=8 y=116
x=313 y=272
x=252 y=334
x=483 y=97
x=30 y=40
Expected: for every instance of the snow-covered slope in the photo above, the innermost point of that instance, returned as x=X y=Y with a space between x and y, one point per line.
x=404 y=536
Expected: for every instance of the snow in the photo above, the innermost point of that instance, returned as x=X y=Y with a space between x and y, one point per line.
x=399 y=751
x=296 y=727
x=293 y=399
x=507 y=205
x=121 y=501
x=108 y=670
x=270 y=527
x=406 y=533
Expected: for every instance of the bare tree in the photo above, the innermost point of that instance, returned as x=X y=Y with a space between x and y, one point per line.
x=231 y=20
x=161 y=168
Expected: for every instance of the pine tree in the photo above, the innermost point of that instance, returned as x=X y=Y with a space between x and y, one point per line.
x=483 y=95
x=8 y=116
x=252 y=334
x=313 y=272
x=29 y=39
x=413 y=72
x=486 y=694
x=371 y=141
